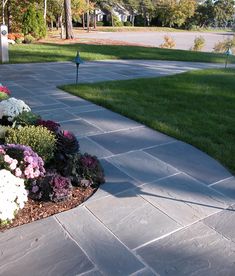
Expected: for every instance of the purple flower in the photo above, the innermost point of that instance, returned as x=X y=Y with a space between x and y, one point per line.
x=22 y=161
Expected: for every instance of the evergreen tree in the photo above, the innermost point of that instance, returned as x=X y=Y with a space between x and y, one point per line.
x=224 y=12
x=33 y=23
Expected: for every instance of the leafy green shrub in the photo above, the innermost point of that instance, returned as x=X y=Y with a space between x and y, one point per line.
x=224 y=45
x=33 y=24
x=41 y=31
x=169 y=42
x=3 y=96
x=127 y=24
x=40 y=139
x=28 y=39
x=99 y=23
x=29 y=24
x=25 y=119
x=199 y=43
x=3 y=130
x=193 y=27
x=117 y=22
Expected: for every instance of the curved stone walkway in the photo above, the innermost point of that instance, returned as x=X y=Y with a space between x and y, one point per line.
x=166 y=208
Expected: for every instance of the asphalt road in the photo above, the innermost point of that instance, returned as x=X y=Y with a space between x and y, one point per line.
x=184 y=40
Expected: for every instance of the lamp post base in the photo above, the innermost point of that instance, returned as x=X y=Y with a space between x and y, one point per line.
x=4 y=54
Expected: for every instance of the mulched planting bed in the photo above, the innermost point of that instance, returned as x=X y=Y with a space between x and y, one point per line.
x=35 y=210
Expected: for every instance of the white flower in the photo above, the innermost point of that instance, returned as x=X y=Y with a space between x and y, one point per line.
x=12 y=108
x=13 y=195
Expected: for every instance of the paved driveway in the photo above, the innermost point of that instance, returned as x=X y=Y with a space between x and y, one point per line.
x=184 y=40
x=166 y=208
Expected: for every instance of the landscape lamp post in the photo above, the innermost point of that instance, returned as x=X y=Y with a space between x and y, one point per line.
x=78 y=61
x=227 y=53
x=4 y=55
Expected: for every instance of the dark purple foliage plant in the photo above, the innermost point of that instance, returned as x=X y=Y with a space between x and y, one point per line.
x=52 y=187
x=84 y=170
x=67 y=143
x=50 y=125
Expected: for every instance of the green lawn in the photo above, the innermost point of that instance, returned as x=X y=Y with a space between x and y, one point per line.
x=197 y=107
x=56 y=52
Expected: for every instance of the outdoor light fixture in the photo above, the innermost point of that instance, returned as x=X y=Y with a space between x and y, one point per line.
x=227 y=53
x=78 y=61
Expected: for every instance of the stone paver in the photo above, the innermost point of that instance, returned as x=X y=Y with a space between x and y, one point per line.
x=197 y=250
x=226 y=187
x=41 y=248
x=108 y=120
x=131 y=139
x=224 y=223
x=91 y=147
x=142 y=166
x=162 y=210
x=144 y=272
x=128 y=212
x=191 y=161
x=116 y=182
x=80 y=128
x=183 y=199
x=103 y=248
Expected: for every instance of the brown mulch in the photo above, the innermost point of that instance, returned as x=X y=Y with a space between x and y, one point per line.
x=35 y=210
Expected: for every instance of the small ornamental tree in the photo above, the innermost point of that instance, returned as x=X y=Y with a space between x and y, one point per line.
x=33 y=23
x=41 y=24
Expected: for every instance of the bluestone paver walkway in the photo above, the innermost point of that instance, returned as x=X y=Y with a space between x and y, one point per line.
x=166 y=208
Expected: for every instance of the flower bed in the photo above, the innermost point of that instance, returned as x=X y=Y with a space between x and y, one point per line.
x=42 y=171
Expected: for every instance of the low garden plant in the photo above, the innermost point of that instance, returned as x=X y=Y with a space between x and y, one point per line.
x=39 y=138
x=4 y=92
x=40 y=165
x=168 y=43
x=199 y=43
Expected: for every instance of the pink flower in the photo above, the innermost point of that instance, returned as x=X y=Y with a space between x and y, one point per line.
x=37 y=173
x=18 y=172
x=15 y=161
x=67 y=134
x=26 y=172
x=7 y=159
x=13 y=166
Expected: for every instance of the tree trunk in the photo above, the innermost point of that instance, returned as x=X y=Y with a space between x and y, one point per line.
x=111 y=15
x=61 y=27
x=88 y=17
x=4 y=2
x=88 y=21
x=94 y=18
x=57 y=22
x=9 y=17
x=133 y=19
x=45 y=10
x=68 y=20
x=83 y=21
